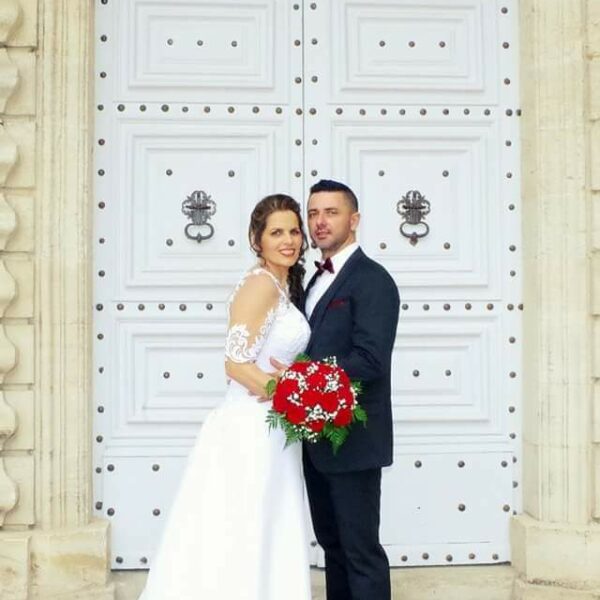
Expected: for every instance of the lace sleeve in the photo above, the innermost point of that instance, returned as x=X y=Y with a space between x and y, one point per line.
x=251 y=313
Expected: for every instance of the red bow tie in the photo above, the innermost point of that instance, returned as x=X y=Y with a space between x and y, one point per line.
x=326 y=265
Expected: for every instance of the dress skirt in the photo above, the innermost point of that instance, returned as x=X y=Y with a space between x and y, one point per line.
x=237 y=527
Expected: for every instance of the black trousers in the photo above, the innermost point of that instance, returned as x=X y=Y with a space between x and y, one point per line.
x=345 y=514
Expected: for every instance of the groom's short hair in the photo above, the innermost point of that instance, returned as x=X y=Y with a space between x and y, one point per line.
x=329 y=185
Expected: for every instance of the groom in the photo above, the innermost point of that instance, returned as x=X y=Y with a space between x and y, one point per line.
x=352 y=304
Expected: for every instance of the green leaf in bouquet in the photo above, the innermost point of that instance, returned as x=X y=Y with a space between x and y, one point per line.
x=270 y=387
x=327 y=429
x=338 y=437
x=292 y=438
x=273 y=419
x=302 y=357
x=292 y=434
x=359 y=414
x=357 y=386
x=276 y=420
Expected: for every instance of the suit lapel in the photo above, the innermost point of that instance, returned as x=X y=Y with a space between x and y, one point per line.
x=319 y=310
x=312 y=281
x=307 y=290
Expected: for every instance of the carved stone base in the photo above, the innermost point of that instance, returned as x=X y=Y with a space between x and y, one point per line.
x=15 y=565
x=555 y=558
x=70 y=564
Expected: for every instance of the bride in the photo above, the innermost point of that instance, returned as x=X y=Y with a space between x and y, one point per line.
x=236 y=530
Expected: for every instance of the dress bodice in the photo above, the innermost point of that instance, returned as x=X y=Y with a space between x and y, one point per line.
x=283 y=333
x=287 y=337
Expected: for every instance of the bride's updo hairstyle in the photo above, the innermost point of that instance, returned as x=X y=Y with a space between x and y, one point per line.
x=258 y=224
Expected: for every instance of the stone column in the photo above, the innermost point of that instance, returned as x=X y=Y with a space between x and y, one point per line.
x=593 y=54
x=556 y=543
x=18 y=40
x=50 y=547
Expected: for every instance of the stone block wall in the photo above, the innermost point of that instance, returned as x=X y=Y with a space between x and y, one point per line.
x=18 y=42
x=17 y=190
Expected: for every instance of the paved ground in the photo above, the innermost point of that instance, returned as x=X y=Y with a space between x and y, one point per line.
x=426 y=583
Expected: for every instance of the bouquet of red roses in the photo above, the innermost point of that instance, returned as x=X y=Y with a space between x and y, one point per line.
x=315 y=400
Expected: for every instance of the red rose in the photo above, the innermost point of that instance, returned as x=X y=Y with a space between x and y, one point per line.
x=343 y=378
x=329 y=401
x=295 y=414
x=285 y=388
x=327 y=369
x=347 y=397
x=316 y=381
x=310 y=398
x=343 y=418
x=316 y=426
x=279 y=403
x=300 y=367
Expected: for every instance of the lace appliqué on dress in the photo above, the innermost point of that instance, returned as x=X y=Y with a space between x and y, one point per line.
x=238 y=345
x=237 y=348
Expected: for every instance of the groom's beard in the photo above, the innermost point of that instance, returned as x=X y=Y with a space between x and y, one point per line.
x=332 y=248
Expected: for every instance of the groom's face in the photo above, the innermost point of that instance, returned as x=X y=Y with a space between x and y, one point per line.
x=332 y=222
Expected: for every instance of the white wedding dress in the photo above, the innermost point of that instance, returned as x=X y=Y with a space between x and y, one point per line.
x=237 y=527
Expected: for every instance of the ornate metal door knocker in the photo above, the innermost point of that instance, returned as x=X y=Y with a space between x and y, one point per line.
x=413 y=207
x=199 y=207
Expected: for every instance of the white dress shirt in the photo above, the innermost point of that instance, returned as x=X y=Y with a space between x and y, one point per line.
x=326 y=278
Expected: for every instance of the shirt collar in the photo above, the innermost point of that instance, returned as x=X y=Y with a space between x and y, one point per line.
x=341 y=257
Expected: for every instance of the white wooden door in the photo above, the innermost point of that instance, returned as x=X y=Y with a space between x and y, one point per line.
x=192 y=96
x=238 y=99
x=421 y=95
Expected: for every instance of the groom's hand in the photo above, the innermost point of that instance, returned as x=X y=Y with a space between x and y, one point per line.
x=279 y=366
x=276 y=375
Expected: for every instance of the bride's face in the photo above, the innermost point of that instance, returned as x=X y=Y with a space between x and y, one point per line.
x=281 y=240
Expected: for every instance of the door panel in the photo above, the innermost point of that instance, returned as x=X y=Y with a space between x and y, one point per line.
x=205 y=51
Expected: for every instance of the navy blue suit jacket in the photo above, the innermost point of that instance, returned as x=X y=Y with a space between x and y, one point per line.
x=356 y=321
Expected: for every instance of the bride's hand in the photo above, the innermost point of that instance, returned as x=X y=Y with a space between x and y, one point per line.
x=276 y=375
x=273 y=377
